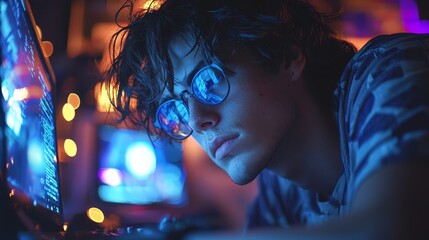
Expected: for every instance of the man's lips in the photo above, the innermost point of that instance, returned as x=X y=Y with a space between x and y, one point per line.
x=220 y=146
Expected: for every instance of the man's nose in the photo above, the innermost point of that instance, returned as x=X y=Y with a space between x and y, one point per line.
x=201 y=116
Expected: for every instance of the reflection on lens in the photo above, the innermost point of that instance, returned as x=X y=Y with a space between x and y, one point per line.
x=210 y=85
x=173 y=117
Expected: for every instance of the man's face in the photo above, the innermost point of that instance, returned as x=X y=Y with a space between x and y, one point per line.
x=247 y=130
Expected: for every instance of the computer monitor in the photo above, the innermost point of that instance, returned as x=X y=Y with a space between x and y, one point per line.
x=30 y=165
x=132 y=169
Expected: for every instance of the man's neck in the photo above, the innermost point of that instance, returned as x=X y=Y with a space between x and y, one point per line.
x=310 y=153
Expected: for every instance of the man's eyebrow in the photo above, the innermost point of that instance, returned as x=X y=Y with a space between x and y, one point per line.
x=188 y=77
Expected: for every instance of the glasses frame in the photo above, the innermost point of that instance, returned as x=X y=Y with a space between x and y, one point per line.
x=185 y=102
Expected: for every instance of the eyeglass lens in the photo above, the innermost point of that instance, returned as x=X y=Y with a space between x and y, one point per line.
x=173 y=117
x=209 y=86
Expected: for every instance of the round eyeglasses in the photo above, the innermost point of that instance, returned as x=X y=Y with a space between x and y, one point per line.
x=209 y=85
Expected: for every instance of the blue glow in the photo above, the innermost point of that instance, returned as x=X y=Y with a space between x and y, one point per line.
x=140 y=160
x=149 y=172
x=35 y=157
x=28 y=104
x=5 y=93
x=129 y=194
x=6 y=29
x=14 y=118
x=170 y=183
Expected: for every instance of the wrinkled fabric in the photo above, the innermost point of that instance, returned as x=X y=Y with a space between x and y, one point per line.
x=382 y=108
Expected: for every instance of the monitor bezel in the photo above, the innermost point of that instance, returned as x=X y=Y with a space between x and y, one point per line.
x=35 y=217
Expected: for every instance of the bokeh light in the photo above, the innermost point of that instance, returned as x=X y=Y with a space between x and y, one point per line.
x=140 y=160
x=70 y=147
x=102 y=96
x=110 y=176
x=95 y=215
x=74 y=100
x=155 y=4
x=68 y=112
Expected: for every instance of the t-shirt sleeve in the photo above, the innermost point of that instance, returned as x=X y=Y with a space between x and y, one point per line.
x=385 y=106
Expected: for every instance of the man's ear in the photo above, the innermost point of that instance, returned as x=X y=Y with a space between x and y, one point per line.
x=295 y=68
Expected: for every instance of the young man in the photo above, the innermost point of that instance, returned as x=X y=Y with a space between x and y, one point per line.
x=340 y=151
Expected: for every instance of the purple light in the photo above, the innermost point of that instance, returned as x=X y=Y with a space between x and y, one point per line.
x=110 y=176
x=410 y=18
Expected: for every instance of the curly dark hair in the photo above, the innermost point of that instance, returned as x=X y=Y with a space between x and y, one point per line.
x=272 y=30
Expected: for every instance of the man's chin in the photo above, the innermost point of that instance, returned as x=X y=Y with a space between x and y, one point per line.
x=243 y=169
x=241 y=179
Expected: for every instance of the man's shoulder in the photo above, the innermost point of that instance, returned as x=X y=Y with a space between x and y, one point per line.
x=383 y=105
x=395 y=40
x=385 y=58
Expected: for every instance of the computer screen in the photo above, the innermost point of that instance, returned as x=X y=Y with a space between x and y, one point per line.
x=132 y=169
x=27 y=99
